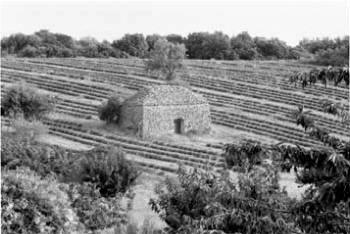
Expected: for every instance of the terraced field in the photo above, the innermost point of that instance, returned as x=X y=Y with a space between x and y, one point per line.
x=251 y=97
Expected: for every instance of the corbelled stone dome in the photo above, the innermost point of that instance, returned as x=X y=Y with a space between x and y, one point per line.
x=164 y=95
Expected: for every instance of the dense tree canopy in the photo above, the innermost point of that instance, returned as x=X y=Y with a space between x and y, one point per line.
x=244 y=46
x=328 y=51
x=175 y=38
x=46 y=44
x=151 y=40
x=199 y=45
x=166 y=58
x=133 y=44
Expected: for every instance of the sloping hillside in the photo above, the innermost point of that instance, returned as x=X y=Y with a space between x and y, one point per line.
x=248 y=99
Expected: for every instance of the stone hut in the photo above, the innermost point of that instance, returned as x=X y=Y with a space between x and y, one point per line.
x=160 y=109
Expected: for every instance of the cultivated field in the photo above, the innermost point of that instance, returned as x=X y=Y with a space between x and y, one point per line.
x=248 y=100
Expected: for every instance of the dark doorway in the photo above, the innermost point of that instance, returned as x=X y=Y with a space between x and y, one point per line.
x=179 y=126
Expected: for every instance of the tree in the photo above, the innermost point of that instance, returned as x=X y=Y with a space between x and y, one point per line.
x=166 y=58
x=133 y=44
x=335 y=57
x=111 y=110
x=194 y=45
x=88 y=47
x=244 y=45
x=216 y=46
x=272 y=48
x=175 y=38
x=26 y=101
x=16 y=42
x=151 y=40
x=203 y=45
x=65 y=40
x=108 y=169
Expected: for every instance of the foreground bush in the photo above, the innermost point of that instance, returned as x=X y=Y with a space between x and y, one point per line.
x=30 y=204
x=108 y=169
x=244 y=156
x=20 y=100
x=201 y=202
x=43 y=159
x=111 y=110
x=93 y=210
x=105 y=167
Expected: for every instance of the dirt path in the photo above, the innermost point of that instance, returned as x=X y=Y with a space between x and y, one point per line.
x=144 y=191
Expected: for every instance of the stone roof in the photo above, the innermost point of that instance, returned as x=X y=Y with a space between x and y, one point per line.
x=164 y=94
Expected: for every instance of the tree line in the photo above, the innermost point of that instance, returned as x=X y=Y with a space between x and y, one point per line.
x=199 y=45
x=326 y=51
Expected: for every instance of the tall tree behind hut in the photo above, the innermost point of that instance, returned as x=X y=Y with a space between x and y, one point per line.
x=166 y=58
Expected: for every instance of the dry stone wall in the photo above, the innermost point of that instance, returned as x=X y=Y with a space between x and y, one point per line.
x=160 y=119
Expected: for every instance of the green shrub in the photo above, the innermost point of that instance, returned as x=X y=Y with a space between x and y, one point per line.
x=43 y=159
x=104 y=170
x=94 y=211
x=201 y=201
x=111 y=110
x=244 y=156
x=30 y=204
x=108 y=169
x=20 y=100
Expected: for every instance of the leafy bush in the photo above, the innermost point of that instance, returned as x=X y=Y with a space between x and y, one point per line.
x=30 y=204
x=43 y=159
x=202 y=202
x=104 y=167
x=111 y=110
x=26 y=101
x=94 y=211
x=325 y=205
x=244 y=156
x=107 y=169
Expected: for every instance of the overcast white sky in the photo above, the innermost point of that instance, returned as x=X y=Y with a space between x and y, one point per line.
x=288 y=20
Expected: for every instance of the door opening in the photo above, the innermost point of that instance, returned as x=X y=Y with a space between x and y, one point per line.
x=179 y=126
